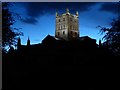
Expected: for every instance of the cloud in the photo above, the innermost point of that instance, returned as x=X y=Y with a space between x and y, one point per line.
x=36 y=9
x=111 y=7
x=29 y=20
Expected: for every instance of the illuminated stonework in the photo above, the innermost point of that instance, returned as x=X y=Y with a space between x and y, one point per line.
x=67 y=26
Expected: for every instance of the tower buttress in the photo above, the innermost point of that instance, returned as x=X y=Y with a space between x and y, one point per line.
x=56 y=14
x=76 y=13
x=67 y=10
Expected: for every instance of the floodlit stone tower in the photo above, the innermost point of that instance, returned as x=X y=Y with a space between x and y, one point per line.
x=67 y=26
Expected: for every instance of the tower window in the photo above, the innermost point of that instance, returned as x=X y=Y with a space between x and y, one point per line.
x=64 y=26
x=70 y=19
x=71 y=32
x=75 y=33
x=58 y=33
x=59 y=20
x=63 y=19
x=63 y=32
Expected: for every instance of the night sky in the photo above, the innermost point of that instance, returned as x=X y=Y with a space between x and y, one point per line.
x=38 y=18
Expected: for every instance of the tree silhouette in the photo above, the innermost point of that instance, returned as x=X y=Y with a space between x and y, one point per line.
x=9 y=34
x=112 y=36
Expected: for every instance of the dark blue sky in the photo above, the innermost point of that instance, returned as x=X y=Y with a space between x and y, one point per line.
x=38 y=18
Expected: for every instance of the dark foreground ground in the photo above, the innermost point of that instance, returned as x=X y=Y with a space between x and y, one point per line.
x=62 y=68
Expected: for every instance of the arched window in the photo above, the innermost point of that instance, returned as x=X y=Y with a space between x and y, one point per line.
x=59 y=20
x=63 y=32
x=64 y=26
x=63 y=19
x=75 y=33
x=58 y=33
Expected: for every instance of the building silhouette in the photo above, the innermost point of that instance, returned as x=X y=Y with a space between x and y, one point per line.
x=67 y=30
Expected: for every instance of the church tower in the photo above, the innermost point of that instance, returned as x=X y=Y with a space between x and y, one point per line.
x=67 y=26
